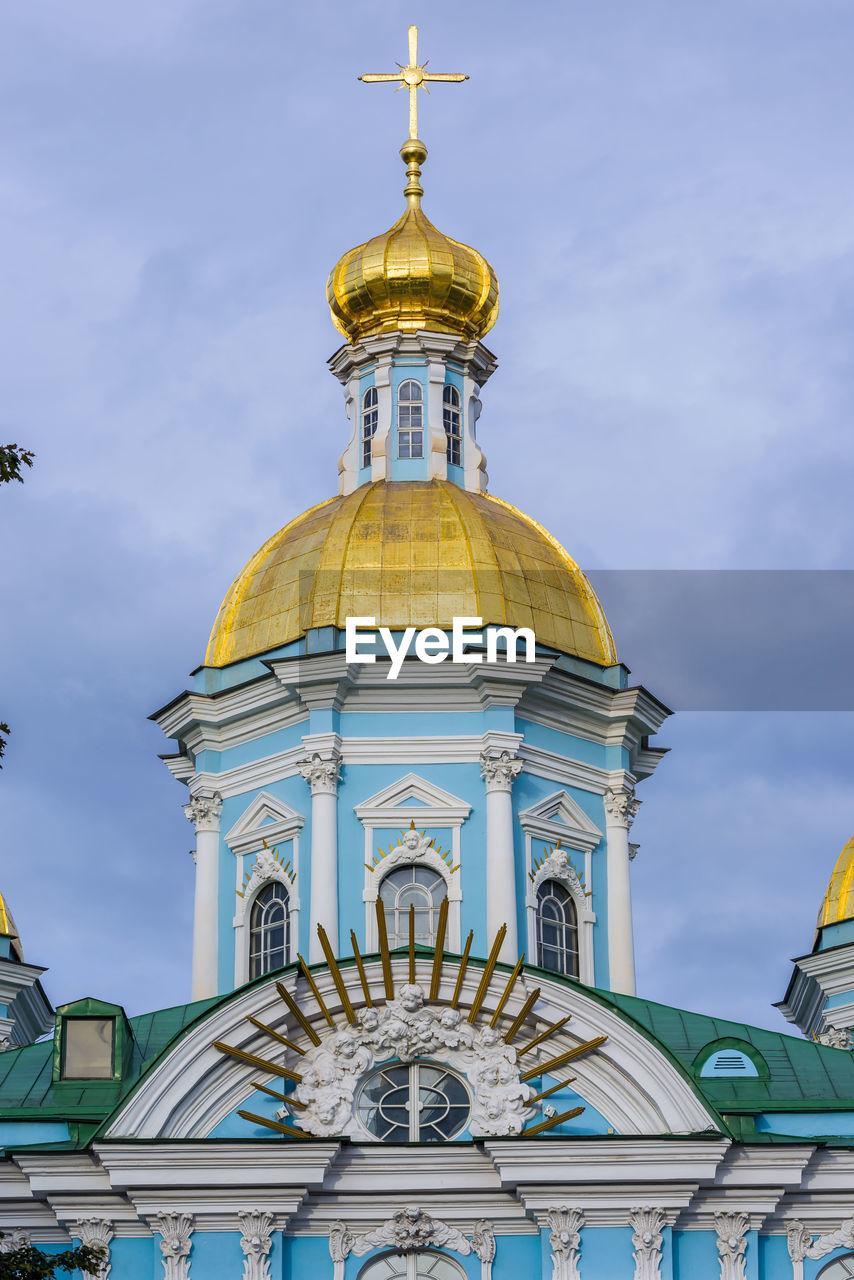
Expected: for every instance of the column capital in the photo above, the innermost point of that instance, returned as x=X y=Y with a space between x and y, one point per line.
x=621 y=807
x=321 y=772
x=204 y=811
x=500 y=769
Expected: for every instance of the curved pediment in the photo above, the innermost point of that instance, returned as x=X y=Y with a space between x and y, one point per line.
x=312 y=1036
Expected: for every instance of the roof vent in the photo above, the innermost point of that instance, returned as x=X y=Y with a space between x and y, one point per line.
x=729 y=1062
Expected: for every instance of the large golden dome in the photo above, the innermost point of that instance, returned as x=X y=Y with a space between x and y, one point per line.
x=838 y=904
x=413 y=277
x=410 y=553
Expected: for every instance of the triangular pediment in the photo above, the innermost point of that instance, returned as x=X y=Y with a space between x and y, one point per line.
x=266 y=818
x=413 y=795
x=559 y=817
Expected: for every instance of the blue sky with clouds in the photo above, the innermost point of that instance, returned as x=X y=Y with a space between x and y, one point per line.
x=665 y=191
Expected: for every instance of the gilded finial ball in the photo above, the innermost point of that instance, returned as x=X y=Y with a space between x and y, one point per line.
x=413 y=149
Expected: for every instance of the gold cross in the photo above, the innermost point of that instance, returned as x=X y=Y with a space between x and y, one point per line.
x=413 y=77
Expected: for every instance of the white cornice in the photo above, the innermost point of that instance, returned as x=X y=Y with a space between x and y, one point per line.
x=435 y=749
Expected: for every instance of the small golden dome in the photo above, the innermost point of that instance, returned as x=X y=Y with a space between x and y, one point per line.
x=410 y=553
x=413 y=277
x=8 y=929
x=838 y=904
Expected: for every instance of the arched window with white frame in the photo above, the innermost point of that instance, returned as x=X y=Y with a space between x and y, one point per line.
x=410 y=420
x=426 y=1264
x=839 y=1269
x=370 y=418
x=269 y=930
x=417 y=886
x=453 y=421
x=557 y=929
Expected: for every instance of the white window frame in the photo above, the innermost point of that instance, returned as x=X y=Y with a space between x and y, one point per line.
x=555 y=818
x=369 y=419
x=452 y=421
x=409 y=430
x=383 y=817
x=267 y=823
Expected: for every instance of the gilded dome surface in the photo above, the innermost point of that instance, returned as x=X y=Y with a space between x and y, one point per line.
x=410 y=553
x=838 y=904
x=413 y=277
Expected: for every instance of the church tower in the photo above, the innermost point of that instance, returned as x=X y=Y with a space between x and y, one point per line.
x=463 y=785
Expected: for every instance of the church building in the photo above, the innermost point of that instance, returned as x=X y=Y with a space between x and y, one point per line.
x=414 y=1049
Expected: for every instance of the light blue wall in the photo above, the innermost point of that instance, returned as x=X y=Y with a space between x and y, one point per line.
x=26 y=1133
x=695 y=1256
x=807 y=1124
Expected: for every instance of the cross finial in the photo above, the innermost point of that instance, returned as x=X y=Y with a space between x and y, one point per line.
x=413 y=76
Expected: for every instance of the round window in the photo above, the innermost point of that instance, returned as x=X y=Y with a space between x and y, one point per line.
x=413 y=1102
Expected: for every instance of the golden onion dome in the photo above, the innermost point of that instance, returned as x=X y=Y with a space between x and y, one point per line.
x=410 y=553
x=838 y=903
x=412 y=276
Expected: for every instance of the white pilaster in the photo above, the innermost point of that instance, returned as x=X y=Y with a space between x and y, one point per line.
x=204 y=812
x=620 y=809
x=500 y=770
x=322 y=771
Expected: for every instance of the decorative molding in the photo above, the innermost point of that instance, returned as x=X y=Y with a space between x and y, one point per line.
x=12 y=1240
x=97 y=1232
x=175 y=1230
x=404 y=1029
x=433 y=805
x=255 y=1228
x=499 y=769
x=731 y=1229
x=268 y=868
x=408 y=1230
x=204 y=811
x=621 y=807
x=565 y=1240
x=646 y=1225
x=392 y=807
x=802 y=1244
x=558 y=820
x=266 y=820
x=836 y=1037
x=322 y=775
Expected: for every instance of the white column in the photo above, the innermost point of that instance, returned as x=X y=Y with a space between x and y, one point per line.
x=500 y=769
x=620 y=810
x=204 y=812
x=322 y=772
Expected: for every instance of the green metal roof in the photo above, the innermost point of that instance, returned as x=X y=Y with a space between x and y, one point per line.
x=802 y=1075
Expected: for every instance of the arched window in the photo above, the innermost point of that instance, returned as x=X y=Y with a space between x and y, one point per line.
x=370 y=417
x=840 y=1269
x=424 y=1265
x=417 y=886
x=410 y=420
x=414 y=1102
x=452 y=418
x=557 y=929
x=270 y=930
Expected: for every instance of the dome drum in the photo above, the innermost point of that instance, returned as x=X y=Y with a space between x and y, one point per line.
x=436 y=360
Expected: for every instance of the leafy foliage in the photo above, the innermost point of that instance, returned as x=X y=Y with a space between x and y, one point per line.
x=26 y=1262
x=12 y=459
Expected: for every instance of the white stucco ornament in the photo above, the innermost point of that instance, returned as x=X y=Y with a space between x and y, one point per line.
x=412 y=1229
x=404 y=1030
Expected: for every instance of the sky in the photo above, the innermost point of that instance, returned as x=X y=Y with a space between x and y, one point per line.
x=665 y=192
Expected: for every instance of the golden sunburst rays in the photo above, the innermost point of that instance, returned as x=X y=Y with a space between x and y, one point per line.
x=444 y=854
x=287 y=869
x=547 y=853
x=489 y=1003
